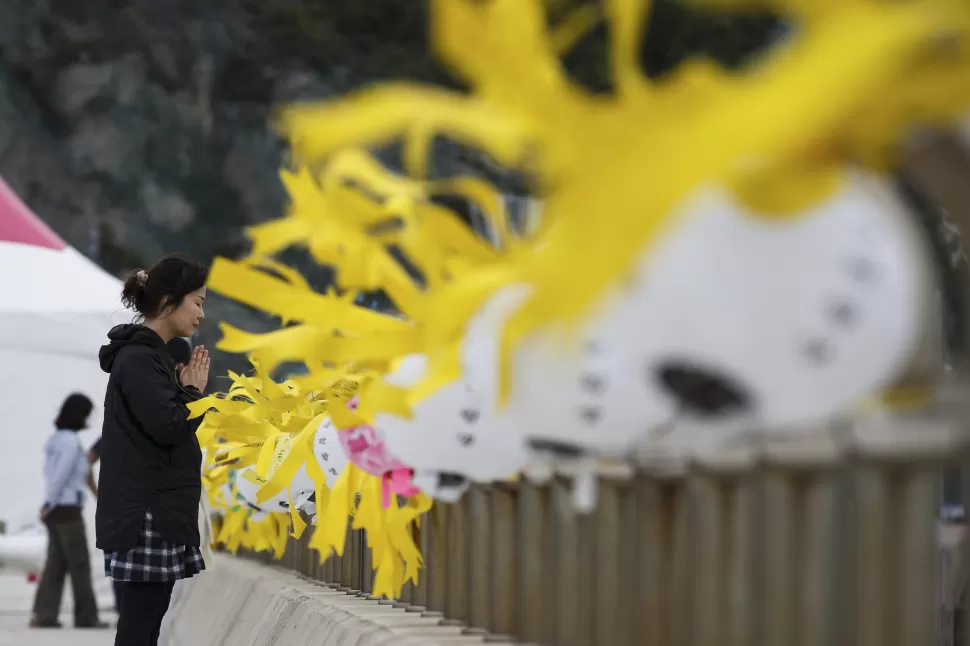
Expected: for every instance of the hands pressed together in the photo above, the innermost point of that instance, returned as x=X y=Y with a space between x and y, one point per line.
x=196 y=374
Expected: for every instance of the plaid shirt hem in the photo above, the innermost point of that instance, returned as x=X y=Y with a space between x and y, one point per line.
x=153 y=560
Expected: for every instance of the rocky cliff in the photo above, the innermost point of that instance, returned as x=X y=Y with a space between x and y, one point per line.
x=141 y=127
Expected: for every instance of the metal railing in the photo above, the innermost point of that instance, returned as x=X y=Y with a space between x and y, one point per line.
x=823 y=547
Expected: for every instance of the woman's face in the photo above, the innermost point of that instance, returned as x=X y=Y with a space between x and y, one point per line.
x=187 y=317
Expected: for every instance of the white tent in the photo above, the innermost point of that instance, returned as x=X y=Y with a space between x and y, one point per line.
x=55 y=310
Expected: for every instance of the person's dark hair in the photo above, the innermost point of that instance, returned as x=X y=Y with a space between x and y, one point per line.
x=180 y=350
x=149 y=292
x=74 y=413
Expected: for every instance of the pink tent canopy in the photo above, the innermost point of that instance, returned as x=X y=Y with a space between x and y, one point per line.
x=39 y=272
x=19 y=224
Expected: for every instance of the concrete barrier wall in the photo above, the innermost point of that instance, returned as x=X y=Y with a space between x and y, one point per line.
x=240 y=603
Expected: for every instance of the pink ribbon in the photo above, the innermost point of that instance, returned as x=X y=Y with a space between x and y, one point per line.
x=398 y=482
x=366 y=449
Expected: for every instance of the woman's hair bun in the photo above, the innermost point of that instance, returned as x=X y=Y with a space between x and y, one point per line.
x=134 y=287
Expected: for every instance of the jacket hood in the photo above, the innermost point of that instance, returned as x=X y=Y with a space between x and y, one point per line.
x=122 y=336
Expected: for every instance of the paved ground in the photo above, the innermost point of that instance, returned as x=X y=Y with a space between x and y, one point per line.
x=16 y=597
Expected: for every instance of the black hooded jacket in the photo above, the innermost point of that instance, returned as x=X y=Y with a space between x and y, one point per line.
x=150 y=455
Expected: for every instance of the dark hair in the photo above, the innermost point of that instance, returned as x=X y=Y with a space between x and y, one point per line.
x=74 y=413
x=148 y=292
x=180 y=350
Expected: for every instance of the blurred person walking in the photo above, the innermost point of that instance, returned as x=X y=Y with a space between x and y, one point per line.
x=65 y=471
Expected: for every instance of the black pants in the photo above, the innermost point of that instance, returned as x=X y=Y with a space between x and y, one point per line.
x=117 y=587
x=143 y=606
x=67 y=555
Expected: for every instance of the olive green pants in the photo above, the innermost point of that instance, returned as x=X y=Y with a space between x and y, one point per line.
x=67 y=555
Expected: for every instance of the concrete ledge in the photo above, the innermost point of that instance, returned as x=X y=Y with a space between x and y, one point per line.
x=240 y=603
